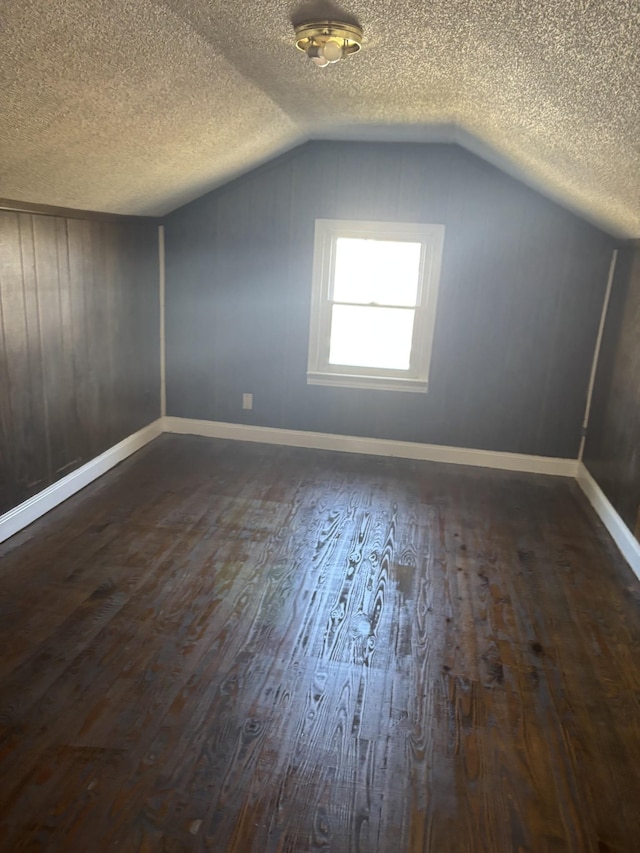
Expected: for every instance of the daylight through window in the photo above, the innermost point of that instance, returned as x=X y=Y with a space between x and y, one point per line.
x=374 y=301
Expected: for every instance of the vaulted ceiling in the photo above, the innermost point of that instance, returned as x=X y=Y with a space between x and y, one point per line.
x=136 y=106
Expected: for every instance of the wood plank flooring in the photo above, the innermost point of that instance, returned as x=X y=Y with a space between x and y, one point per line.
x=232 y=647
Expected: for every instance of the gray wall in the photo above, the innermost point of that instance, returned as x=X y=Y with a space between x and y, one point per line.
x=520 y=298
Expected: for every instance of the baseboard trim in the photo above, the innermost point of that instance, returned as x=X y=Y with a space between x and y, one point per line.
x=620 y=533
x=21 y=516
x=373 y=446
x=25 y=513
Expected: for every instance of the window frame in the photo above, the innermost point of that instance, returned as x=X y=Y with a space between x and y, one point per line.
x=416 y=378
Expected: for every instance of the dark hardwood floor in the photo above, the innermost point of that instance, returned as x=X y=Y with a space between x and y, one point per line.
x=233 y=647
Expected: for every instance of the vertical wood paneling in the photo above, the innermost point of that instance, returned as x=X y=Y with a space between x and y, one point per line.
x=80 y=285
x=8 y=262
x=65 y=403
x=27 y=396
x=58 y=387
x=519 y=301
x=98 y=337
x=79 y=365
x=612 y=450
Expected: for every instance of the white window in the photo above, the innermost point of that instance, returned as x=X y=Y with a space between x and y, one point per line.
x=373 y=311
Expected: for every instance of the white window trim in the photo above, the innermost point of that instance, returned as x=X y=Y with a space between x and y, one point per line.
x=416 y=379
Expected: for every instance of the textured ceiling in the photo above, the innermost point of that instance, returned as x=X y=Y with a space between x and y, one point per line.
x=136 y=106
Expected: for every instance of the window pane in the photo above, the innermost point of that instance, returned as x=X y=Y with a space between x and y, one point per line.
x=371 y=337
x=382 y=271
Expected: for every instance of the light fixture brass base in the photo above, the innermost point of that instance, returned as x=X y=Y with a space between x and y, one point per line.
x=316 y=34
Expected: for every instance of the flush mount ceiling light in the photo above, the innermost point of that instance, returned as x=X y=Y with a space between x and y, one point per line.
x=325 y=42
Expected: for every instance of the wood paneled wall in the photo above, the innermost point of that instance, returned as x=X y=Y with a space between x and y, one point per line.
x=520 y=297
x=79 y=353
x=612 y=450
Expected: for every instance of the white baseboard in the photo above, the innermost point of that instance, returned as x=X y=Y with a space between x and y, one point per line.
x=373 y=446
x=25 y=513
x=620 y=533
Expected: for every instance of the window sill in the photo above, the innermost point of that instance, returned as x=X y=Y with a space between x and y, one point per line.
x=379 y=383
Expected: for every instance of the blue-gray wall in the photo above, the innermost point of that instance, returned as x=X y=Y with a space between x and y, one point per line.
x=520 y=298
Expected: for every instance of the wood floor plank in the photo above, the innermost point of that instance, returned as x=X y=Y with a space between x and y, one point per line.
x=229 y=647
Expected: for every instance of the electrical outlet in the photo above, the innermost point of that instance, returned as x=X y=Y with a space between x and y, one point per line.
x=247 y=401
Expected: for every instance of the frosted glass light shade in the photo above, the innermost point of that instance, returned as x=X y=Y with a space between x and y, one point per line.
x=332 y=51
